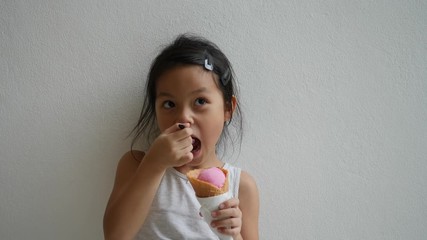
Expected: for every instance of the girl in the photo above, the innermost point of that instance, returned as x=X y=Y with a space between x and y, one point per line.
x=190 y=101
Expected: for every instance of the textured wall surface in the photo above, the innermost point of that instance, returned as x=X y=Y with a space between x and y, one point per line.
x=334 y=94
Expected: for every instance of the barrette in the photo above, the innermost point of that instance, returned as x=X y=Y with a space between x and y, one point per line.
x=225 y=78
x=208 y=65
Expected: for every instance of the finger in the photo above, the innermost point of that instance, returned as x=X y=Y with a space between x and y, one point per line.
x=183 y=125
x=186 y=158
x=185 y=144
x=175 y=127
x=227 y=223
x=177 y=135
x=229 y=231
x=231 y=203
x=227 y=213
x=171 y=129
x=183 y=136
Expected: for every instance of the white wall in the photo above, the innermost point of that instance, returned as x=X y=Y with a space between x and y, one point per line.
x=334 y=92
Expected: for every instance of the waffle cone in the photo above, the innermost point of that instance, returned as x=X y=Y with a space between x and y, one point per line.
x=204 y=189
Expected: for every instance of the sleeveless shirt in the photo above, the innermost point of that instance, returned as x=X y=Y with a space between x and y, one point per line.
x=174 y=213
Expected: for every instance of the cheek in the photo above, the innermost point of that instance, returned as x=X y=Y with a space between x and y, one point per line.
x=161 y=121
x=162 y=127
x=213 y=128
x=163 y=124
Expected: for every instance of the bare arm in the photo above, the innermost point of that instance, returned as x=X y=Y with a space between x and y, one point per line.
x=239 y=217
x=134 y=190
x=249 y=205
x=137 y=181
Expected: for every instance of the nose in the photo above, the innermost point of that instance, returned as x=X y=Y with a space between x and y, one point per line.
x=185 y=115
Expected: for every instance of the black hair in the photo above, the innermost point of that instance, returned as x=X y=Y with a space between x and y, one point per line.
x=190 y=50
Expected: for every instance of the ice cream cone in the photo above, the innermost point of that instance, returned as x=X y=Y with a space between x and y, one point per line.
x=204 y=189
x=210 y=197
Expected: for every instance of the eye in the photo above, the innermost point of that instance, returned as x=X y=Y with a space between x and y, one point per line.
x=200 y=101
x=168 y=104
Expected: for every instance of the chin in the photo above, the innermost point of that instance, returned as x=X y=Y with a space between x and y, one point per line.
x=195 y=161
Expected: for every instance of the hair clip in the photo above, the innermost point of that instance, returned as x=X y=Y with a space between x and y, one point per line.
x=225 y=78
x=207 y=65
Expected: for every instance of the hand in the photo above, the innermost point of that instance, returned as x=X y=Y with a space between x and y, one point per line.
x=172 y=148
x=229 y=218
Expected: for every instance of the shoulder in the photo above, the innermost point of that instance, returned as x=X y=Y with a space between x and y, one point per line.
x=126 y=169
x=135 y=155
x=132 y=157
x=247 y=185
x=128 y=163
x=249 y=205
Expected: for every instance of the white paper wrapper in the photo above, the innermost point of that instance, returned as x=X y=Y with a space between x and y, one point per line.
x=210 y=204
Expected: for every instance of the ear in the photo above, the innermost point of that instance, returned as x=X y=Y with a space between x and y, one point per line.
x=229 y=108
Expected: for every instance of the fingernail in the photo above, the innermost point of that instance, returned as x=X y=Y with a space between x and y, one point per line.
x=182 y=126
x=214 y=214
x=221 y=206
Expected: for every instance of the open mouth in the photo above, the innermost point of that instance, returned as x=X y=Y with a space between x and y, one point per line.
x=196 y=144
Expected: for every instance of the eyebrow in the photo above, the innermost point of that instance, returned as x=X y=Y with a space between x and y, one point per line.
x=166 y=94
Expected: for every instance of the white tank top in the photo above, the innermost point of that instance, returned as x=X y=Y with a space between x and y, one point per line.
x=174 y=213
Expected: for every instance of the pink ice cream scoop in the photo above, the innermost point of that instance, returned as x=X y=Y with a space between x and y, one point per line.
x=212 y=175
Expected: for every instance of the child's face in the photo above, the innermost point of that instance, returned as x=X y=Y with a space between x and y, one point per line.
x=189 y=94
